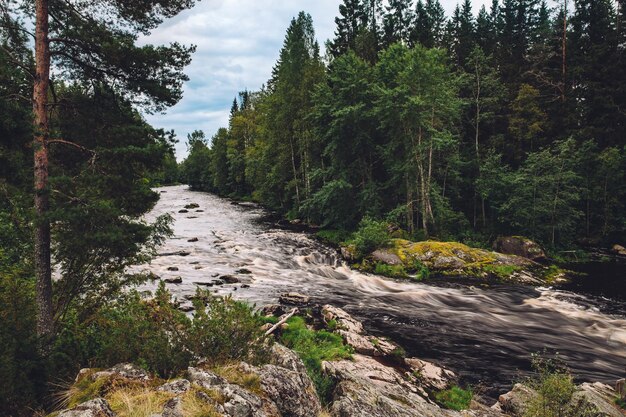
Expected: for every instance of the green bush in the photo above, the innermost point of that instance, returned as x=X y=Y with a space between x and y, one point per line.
x=455 y=398
x=391 y=271
x=554 y=385
x=421 y=271
x=371 y=235
x=332 y=236
x=313 y=347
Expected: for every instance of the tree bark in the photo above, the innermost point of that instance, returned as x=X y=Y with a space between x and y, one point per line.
x=43 y=269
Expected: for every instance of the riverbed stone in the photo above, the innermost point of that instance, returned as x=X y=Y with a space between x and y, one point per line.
x=294 y=298
x=172 y=268
x=386 y=257
x=176 y=280
x=229 y=279
x=193 y=240
x=429 y=375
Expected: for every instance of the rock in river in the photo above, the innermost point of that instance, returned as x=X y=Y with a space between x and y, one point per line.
x=520 y=246
x=293 y=298
x=177 y=280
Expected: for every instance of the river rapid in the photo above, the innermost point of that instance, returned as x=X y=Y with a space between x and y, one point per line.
x=485 y=334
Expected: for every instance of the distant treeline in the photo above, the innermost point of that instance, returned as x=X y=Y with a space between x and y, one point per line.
x=512 y=121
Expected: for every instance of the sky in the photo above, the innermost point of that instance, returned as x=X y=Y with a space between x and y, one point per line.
x=238 y=43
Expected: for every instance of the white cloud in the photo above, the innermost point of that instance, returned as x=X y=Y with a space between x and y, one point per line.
x=238 y=42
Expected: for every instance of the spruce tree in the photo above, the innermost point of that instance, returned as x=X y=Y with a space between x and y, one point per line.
x=398 y=21
x=352 y=20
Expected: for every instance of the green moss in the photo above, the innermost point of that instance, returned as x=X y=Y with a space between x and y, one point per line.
x=455 y=398
x=501 y=271
x=391 y=271
x=332 y=325
x=313 y=347
x=553 y=273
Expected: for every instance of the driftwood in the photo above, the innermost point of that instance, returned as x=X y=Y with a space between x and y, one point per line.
x=281 y=322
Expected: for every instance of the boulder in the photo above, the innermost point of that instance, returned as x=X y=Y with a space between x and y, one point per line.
x=238 y=402
x=288 y=385
x=121 y=370
x=172 y=268
x=229 y=279
x=183 y=211
x=517 y=400
x=596 y=400
x=173 y=408
x=386 y=257
x=275 y=310
x=294 y=298
x=429 y=375
x=353 y=334
x=349 y=253
x=97 y=407
x=520 y=246
x=365 y=388
x=243 y=271
x=618 y=250
x=177 y=280
x=193 y=239
x=192 y=206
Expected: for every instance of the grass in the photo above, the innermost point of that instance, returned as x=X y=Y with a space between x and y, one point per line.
x=137 y=401
x=233 y=374
x=145 y=402
x=313 y=347
x=501 y=271
x=84 y=390
x=455 y=398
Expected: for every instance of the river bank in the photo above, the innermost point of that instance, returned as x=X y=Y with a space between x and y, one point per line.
x=485 y=334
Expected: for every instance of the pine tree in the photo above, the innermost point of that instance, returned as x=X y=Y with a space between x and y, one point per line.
x=429 y=25
x=398 y=21
x=92 y=41
x=352 y=21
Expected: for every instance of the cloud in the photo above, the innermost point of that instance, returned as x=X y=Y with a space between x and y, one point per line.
x=238 y=42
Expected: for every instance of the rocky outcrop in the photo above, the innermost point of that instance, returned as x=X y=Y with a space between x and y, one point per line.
x=455 y=259
x=520 y=246
x=353 y=334
x=618 y=250
x=595 y=400
x=97 y=407
x=294 y=298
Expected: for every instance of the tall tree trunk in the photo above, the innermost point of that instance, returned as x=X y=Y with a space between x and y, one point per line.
x=295 y=171
x=40 y=146
x=564 y=52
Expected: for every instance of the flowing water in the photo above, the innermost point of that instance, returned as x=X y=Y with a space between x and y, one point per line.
x=485 y=334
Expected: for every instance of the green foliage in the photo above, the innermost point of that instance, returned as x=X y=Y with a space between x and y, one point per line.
x=455 y=398
x=391 y=271
x=554 y=385
x=370 y=235
x=313 y=347
x=333 y=237
x=501 y=271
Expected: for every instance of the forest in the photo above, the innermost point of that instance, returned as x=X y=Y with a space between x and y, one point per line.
x=464 y=127
x=511 y=121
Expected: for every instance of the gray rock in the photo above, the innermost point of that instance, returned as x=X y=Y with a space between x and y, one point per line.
x=97 y=407
x=429 y=375
x=229 y=279
x=172 y=268
x=177 y=280
x=286 y=382
x=183 y=211
x=517 y=400
x=275 y=310
x=176 y=387
x=294 y=298
x=597 y=400
x=365 y=388
x=173 y=408
x=193 y=239
x=123 y=370
x=204 y=378
x=243 y=271
x=386 y=257
x=192 y=206
x=520 y=246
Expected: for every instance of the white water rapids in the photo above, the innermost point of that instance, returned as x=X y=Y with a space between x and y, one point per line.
x=486 y=334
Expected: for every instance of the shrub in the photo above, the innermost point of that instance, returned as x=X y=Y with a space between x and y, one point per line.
x=332 y=236
x=554 y=385
x=313 y=347
x=391 y=271
x=455 y=398
x=370 y=236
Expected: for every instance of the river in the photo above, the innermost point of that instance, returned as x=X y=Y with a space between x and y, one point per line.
x=484 y=334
